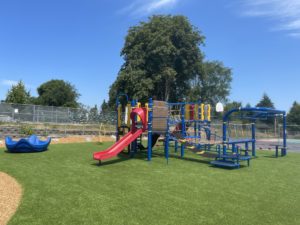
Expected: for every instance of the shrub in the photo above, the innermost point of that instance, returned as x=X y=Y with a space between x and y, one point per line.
x=26 y=130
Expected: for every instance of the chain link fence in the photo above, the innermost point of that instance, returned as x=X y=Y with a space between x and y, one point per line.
x=62 y=121
x=51 y=114
x=17 y=130
x=19 y=120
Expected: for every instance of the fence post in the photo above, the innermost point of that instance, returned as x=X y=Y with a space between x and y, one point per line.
x=46 y=130
x=284 y=134
x=52 y=114
x=253 y=127
x=183 y=132
x=33 y=113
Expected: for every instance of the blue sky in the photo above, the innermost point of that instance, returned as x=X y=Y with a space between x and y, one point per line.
x=80 y=41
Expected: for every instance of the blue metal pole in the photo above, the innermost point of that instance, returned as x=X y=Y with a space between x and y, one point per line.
x=209 y=133
x=224 y=136
x=133 y=144
x=176 y=145
x=195 y=122
x=219 y=150
x=199 y=119
x=135 y=120
x=233 y=148
x=253 y=139
x=167 y=141
x=183 y=133
x=150 y=118
x=117 y=105
x=284 y=135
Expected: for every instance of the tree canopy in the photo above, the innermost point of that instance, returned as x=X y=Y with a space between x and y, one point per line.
x=212 y=84
x=18 y=94
x=265 y=102
x=93 y=114
x=57 y=93
x=105 y=107
x=293 y=116
x=232 y=105
x=163 y=60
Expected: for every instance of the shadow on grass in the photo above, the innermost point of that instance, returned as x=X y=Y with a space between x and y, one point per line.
x=98 y=143
x=110 y=162
x=205 y=158
x=270 y=156
x=20 y=153
x=142 y=155
x=191 y=159
x=230 y=168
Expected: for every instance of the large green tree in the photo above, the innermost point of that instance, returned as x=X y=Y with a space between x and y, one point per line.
x=293 y=116
x=232 y=105
x=58 y=93
x=18 y=94
x=265 y=102
x=105 y=107
x=163 y=60
x=212 y=84
x=162 y=57
x=94 y=114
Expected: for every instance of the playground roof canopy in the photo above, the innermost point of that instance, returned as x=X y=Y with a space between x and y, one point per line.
x=254 y=113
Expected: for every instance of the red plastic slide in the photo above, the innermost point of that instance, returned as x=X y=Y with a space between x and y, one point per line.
x=118 y=146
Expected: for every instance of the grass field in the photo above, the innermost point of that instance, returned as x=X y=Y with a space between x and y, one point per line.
x=65 y=186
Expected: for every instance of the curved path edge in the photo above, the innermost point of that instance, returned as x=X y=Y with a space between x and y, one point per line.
x=10 y=197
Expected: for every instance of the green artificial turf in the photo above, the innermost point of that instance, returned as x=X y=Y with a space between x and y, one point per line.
x=65 y=186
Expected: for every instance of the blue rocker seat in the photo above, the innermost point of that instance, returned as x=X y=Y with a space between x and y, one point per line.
x=31 y=144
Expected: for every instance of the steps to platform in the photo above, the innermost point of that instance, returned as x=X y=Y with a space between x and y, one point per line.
x=239 y=157
x=233 y=158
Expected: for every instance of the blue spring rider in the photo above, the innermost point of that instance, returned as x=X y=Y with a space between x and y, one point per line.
x=25 y=145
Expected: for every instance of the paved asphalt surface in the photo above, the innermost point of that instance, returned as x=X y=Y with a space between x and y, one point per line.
x=292 y=145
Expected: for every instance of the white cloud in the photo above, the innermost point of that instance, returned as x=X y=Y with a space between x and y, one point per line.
x=293 y=25
x=155 y=5
x=146 y=7
x=286 y=13
x=9 y=82
x=296 y=35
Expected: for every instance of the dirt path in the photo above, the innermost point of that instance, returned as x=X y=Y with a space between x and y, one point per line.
x=10 y=196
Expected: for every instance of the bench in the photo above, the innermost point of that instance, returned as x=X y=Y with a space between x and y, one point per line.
x=282 y=149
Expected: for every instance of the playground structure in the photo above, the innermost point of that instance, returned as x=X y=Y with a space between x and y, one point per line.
x=232 y=148
x=182 y=122
x=188 y=125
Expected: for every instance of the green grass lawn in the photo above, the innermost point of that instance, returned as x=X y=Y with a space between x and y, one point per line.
x=65 y=186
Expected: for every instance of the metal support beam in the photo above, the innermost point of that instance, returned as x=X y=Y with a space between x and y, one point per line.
x=150 y=118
